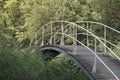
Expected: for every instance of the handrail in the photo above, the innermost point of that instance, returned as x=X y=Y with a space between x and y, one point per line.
x=110 y=43
x=95 y=37
x=99 y=24
x=88 y=35
x=92 y=35
x=98 y=37
x=44 y=27
x=84 y=30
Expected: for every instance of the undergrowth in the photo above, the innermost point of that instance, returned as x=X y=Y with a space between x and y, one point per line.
x=27 y=65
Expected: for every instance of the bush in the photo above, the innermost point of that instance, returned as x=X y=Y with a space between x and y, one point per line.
x=24 y=65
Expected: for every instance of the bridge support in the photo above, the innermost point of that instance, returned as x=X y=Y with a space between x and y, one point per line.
x=74 y=41
x=74 y=35
x=62 y=38
x=95 y=60
x=54 y=39
x=105 y=51
x=36 y=38
x=42 y=37
x=87 y=34
x=94 y=70
x=51 y=35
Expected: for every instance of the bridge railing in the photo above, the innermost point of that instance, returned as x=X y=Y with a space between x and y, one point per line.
x=104 y=30
x=57 y=32
x=86 y=34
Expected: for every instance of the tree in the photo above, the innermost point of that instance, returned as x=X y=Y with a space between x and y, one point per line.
x=9 y=19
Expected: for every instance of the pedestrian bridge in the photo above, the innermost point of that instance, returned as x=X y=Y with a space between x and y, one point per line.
x=86 y=43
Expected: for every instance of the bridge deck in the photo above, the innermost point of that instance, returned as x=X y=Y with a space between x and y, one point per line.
x=86 y=58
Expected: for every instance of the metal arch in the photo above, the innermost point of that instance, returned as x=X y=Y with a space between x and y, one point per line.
x=88 y=22
x=84 y=30
x=56 y=48
x=75 y=22
x=91 y=34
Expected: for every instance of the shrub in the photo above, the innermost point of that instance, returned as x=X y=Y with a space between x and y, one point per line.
x=24 y=65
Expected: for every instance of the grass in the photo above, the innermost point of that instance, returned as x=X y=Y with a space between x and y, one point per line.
x=26 y=65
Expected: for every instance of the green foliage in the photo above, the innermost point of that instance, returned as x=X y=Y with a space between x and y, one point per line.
x=41 y=12
x=24 y=65
x=20 y=19
x=100 y=47
x=107 y=12
x=17 y=65
x=116 y=51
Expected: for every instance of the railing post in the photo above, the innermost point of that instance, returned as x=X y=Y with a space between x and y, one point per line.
x=42 y=37
x=74 y=35
x=62 y=38
x=54 y=39
x=95 y=60
x=87 y=34
x=51 y=34
x=36 y=39
x=105 y=51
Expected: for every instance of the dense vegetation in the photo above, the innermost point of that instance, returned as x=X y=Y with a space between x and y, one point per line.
x=19 y=21
x=28 y=65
